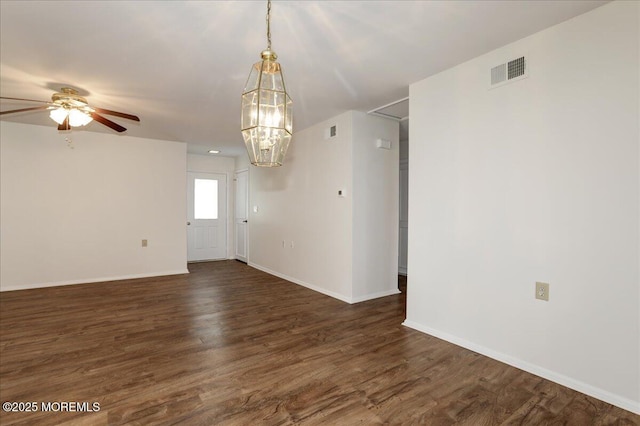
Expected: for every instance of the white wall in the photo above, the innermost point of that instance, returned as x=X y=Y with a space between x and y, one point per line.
x=242 y=162
x=79 y=215
x=537 y=180
x=403 y=207
x=345 y=247
x=298 y=203
x=375 y=207
x=226 y=166
x=404 y=149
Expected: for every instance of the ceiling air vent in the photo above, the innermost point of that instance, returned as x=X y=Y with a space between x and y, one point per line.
x=330 y=132
x=509 y=71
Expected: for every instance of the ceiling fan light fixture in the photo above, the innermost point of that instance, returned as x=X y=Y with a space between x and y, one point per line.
x=79 y=118
x=76 y=116
x=69 y=109
x=266 y=119
x=59 y=115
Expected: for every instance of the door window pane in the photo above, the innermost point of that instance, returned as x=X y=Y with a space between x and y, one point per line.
x=205 y=199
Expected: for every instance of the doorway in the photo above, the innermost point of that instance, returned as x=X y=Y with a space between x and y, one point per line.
x=399 y=111
x=206 y=216
x=403 y=234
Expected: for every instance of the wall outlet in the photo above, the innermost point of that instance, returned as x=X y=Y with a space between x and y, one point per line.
x=542 y=291
x=144 y=243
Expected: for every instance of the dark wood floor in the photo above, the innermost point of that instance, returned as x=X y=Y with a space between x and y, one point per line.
x=230 y=345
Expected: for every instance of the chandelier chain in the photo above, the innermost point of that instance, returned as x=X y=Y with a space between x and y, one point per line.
x=269 y=25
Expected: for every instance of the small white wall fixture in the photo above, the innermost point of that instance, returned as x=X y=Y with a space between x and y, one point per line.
x=383 y=143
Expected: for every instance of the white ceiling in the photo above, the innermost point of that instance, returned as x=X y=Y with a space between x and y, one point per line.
x=181 y=66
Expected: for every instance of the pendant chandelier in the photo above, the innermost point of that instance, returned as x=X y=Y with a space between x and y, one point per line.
x=266 y=109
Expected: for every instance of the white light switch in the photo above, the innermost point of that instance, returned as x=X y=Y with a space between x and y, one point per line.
x=255 y=209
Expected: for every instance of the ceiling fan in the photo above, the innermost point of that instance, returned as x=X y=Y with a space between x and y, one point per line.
x=69 y=109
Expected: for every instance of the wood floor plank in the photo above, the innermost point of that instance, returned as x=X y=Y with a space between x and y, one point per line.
x=230 y=345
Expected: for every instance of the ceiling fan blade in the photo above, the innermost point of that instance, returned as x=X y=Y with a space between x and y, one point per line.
x=24 y=109
x=21 y=99
x=107 y=122
x=116 y=113
x=65 y=124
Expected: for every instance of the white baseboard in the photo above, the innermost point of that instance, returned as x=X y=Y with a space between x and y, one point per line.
x=374 y=295
x=302 y=283
x=350 y=300
x=603 y=395
x=93 y=280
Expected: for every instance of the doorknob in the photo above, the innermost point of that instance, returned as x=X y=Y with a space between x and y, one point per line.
x=245 y=221
x=188 y=223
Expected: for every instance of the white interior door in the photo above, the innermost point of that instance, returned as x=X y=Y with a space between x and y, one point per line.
x=242 y=214
x=207 y=216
